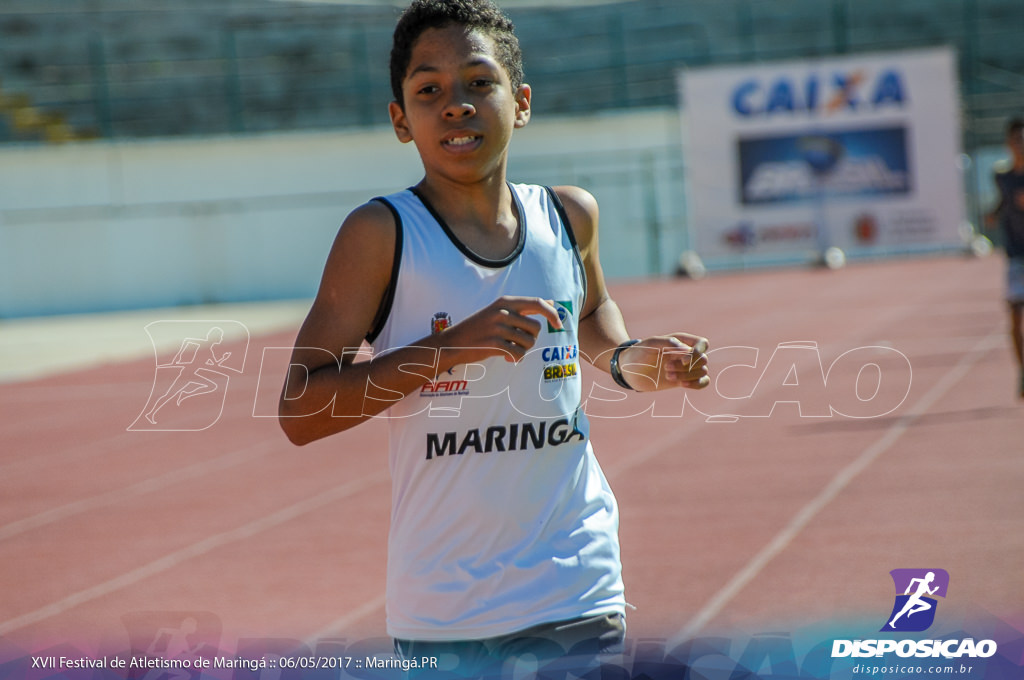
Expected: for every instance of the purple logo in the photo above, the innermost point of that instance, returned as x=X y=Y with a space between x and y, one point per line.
x=916 y=590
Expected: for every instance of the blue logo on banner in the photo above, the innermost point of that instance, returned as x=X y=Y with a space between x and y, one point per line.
x=799 y=167
x=843 y=91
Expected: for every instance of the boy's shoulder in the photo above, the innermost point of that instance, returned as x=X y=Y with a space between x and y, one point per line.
x=375 y=222
x=576 y=197
x=367 y=236
x=374 y=218
x=582 y=210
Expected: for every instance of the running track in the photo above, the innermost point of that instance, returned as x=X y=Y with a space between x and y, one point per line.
x=749 y=523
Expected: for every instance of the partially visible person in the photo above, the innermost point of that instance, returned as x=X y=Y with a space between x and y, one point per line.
x=1008 y=216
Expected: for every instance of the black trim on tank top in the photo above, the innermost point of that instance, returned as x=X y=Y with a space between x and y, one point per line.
x=479 y=259
x=384 y=310
x=560 y=209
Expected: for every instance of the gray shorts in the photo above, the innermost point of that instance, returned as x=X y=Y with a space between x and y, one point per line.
x=556 y=648
x=1015 y=281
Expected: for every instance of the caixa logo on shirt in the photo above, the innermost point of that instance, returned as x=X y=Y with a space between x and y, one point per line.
x=560 y=362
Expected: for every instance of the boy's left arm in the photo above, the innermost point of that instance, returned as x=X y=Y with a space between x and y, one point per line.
x=654 y=363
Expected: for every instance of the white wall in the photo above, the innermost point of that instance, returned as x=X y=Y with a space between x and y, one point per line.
x=129 y=224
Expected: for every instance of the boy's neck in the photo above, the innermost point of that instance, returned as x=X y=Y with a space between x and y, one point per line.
x=482 y=215
x=483 y=203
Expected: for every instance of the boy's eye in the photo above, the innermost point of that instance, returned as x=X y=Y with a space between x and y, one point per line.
x=427 y=89
x=481 y=82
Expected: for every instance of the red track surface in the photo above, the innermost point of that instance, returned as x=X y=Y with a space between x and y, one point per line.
x=759 y=524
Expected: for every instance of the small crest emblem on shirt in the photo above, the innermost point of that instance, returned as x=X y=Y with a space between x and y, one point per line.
x=440 y=322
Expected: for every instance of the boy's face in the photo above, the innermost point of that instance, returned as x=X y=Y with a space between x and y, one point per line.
x=460 y=108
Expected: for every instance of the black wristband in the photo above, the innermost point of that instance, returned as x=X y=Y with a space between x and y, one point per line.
x=616 y=371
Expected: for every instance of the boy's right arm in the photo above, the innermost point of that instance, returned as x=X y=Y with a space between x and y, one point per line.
x=322 y=378
x=326 y=391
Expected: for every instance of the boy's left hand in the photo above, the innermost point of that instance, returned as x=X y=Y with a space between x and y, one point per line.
x=665 y=361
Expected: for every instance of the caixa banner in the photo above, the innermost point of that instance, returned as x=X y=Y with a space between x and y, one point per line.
x=785 y=160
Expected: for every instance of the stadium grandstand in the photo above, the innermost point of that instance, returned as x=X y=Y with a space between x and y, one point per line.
x=72 y=69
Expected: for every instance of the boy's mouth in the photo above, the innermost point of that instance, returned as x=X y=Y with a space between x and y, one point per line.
x=461 y=142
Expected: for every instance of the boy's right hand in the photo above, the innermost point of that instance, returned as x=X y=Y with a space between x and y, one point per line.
x=503 y=328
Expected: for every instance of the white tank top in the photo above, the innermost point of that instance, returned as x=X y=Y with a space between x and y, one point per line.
x=501 y=518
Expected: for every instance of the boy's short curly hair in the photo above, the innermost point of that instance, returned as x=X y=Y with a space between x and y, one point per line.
x=473 y=14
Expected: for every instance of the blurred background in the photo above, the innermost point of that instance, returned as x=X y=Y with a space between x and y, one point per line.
x=172 y=167
x=170 y=152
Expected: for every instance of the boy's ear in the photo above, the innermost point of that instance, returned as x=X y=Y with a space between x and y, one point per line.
x=399 y=122
x=522 y=105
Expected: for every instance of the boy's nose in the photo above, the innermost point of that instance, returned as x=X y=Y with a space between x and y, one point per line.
x=459 y=108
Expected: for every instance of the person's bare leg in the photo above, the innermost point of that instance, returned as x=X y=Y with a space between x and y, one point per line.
x=1016 y=312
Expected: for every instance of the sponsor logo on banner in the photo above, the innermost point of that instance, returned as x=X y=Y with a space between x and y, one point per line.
x=823 y=141
x=746 y=235
x=805 y=167
x=865 y=228
x=743 y=235
x=819 y=94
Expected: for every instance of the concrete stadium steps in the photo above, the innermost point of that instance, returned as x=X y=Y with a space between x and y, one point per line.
x=186 y=67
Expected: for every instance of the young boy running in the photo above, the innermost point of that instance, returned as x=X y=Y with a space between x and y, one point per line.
x=479 y=298
x=1009 y=215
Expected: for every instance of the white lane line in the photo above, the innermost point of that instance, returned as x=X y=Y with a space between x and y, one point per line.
x=781 y=540
x=195 y=550
x=342 y=623
x=146 y=486
x=40 y=461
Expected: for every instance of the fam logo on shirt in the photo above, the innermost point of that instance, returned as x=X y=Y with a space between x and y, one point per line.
x=914 y=608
